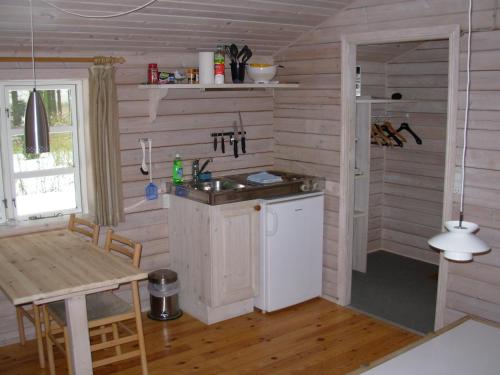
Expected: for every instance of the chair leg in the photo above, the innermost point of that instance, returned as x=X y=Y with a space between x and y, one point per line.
x=116 y=336
x=20 y=325
x=50 y=347
x=138 y=322
x=39 y=337
x=67 y=351
x=103 y=335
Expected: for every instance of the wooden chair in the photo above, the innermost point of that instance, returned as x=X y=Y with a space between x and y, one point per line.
x=32 y=312
x=85 y=227
x=106 y=313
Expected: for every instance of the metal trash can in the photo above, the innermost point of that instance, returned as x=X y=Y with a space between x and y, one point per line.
x=163 y=290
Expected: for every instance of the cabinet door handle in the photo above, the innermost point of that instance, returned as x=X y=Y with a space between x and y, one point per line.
x=257 y=207
x=274 y=220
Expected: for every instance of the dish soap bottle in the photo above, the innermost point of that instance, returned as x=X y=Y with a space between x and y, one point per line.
x=177 y=170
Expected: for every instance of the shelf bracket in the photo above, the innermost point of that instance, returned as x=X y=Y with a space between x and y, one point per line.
x=155 y=96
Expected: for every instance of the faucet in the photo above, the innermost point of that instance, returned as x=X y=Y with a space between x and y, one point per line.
x=196 y=170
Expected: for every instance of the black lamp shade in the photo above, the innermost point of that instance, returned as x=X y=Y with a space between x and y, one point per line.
x=36 y=127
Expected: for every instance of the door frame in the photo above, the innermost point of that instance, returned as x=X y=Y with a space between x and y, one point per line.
x=349 y=43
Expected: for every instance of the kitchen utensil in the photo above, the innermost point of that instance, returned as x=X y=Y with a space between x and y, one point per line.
x=243 y=137
x=235 y=140
x=215 y=143
x=228 y=52
x=242 y=52
x=144 y=167
x=248 y=55
x=151 y=188
x=233 y=49
x=222 y=145
x=231 y=139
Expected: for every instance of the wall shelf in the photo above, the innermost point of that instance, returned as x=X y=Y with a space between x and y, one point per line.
x=382 y=100
x=158 y=92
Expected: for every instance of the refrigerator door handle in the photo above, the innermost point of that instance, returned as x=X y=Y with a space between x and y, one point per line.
x=274 y=220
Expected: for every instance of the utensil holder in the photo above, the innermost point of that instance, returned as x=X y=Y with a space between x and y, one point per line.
x=238 y=72
x=241 y=72
x=234 y=72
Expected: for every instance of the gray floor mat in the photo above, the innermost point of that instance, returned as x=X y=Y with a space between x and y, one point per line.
x=399 y=289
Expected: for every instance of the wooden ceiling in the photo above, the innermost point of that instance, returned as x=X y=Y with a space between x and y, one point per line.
x=167 y=25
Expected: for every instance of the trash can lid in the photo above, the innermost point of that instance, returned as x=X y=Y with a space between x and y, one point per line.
x=162 y=276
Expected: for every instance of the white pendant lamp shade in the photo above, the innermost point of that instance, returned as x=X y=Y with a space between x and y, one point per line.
x=459 y=243
x=36 y=128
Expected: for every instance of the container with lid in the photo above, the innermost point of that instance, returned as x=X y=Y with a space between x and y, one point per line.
x=163 y=290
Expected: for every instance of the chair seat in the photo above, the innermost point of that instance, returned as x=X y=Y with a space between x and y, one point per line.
x=99 y=306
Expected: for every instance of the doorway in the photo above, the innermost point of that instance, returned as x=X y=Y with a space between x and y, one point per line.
x=348 y=169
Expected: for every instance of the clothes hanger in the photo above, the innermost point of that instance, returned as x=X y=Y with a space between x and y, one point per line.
x=392 y=135
x=405 y=126
x=375 y=137
x=386 y=141
x=394 y=131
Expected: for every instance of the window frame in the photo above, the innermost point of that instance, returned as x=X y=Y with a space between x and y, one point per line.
x=8 y=176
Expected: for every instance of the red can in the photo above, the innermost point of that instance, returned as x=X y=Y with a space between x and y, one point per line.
x=153 y=74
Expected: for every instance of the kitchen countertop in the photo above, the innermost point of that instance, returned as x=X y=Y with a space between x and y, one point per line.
x=236 y=188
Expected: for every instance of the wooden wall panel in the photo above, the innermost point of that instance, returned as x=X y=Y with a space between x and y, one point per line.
x=375 y=15
x=421 y=75
x=186 y=119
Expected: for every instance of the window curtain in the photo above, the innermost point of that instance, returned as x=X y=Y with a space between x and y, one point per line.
x=105 y=146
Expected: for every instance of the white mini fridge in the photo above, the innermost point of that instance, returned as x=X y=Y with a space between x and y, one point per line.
x=291 y=251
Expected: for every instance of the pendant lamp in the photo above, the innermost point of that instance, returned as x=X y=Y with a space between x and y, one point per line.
x=460 y=242
x=36 y=127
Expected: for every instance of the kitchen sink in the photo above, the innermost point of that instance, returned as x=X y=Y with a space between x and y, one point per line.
x=236 y=188
x=217 y=185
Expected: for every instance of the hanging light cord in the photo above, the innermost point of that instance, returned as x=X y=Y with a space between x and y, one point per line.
x=104 y=16
x=32 y=45
x=466 y=122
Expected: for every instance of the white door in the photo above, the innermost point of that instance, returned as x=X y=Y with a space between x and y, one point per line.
x=293 y=247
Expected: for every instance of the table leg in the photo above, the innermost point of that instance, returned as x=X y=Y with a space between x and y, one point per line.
x=76 y=316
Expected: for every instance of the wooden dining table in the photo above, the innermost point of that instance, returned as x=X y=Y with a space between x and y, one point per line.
x=59 y=265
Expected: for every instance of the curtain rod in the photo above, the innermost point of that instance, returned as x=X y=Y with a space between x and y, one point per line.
x=97 y=60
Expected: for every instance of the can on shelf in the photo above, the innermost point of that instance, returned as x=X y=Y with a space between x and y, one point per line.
x=152 y=74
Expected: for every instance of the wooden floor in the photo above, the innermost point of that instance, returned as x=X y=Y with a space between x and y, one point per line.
x=316 y=337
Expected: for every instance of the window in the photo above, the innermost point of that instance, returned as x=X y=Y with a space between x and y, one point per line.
x=35 y=186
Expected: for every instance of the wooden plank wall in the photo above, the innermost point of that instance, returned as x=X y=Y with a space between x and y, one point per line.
x=414 y=174
x=186 y=119
x=475 y=287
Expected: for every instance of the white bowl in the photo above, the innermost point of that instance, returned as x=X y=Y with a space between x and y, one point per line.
x=262 y=74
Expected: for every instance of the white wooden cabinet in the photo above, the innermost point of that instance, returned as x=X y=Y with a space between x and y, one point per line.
x=235 y=252
x=215 y=251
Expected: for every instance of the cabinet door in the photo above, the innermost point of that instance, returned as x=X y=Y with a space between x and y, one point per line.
x=235 y=252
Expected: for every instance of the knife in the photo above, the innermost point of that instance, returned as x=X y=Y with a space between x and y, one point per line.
x=235 y=140
x=243 y=138
x=222 y=145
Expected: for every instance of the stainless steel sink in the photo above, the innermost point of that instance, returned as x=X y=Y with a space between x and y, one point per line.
x=218 y=185
x=236 y=188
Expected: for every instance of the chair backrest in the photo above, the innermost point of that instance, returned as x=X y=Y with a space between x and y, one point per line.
x=122 y=245
x=85 y=227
